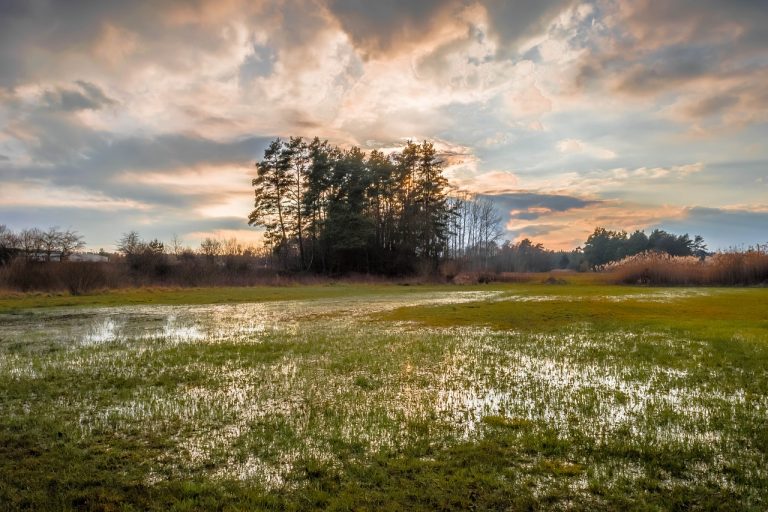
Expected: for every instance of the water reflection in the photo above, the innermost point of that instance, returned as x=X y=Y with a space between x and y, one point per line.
x=347 y=385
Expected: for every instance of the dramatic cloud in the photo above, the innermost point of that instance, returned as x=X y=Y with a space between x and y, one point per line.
x=86 y=97
x=709 y=56
x=569 y=115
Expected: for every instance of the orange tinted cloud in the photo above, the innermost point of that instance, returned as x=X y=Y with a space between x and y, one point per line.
x=568 y=229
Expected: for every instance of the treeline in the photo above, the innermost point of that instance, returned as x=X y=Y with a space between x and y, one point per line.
x=601 y=248
x=220 y=260
x=37 y=244
x=604 y=246
x=137 y=262
x=517 y=257
x=332 y=210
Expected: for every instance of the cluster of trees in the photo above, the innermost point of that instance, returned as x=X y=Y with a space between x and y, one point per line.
x=527 y=256
x=335 y=210
x=475 y=230
x=330 y=210
x=154 y=258
x=604 y=246
x=35 y=244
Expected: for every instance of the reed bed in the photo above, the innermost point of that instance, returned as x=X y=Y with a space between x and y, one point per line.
x=747 y=268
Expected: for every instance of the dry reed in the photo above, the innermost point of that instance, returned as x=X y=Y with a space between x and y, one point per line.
x=725 y=268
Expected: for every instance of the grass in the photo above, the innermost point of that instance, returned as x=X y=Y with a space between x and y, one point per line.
x=353 y=397
x=16 y=301
x=715 y=313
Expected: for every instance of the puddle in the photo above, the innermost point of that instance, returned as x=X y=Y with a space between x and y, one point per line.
x=343 y=384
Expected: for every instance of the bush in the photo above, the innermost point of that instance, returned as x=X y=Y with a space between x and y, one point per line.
x=80 y=277
x=27 y=276
x=77 y=277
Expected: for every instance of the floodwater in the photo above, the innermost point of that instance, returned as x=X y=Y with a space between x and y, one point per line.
x=245 y=390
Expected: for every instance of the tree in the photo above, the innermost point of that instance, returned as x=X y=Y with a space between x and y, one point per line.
x=699 y=247
x=130 y=244
x=431 y=198
x=69 y=242
x=9 y=244
x=298 y=154
x=348 y=229
x=210 y=248
x=604 y=246
x=322 y=160
x=271 y=189
x=50 y=241
x=327 y=209
x=177 y=245
x=490 y=228
x=31 y=242
x=636 y=243
x=155 y=247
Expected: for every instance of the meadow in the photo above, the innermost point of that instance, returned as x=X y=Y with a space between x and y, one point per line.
x=524 y=396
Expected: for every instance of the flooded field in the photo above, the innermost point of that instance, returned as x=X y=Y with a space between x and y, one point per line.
x=302 y=403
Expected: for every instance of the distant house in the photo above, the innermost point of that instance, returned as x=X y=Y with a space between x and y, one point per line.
x=88 y=256
x=78 y=256
x=44 y=256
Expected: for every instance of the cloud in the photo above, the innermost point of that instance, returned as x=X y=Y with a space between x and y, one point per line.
x=384 y=28
x=531 y=214
x=568 y=228
x=527 y=202
x=246 y=237
x=88 y=96
x=637 y=180
x=709 y=56
x=678 y=171
x=378 y=28
x=43 y=194
x=579 y=146
x=722 y=227
x=167 y=171
x=168 y=104
x=513 y=22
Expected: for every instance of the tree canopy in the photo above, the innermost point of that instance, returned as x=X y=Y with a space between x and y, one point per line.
x=336 y=210
x=604 y=246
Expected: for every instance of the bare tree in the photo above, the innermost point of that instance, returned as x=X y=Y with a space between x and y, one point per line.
x=490 y=227
x=31 y=242
x=130 y=244
x=69 y=241
x=49 y=241
x=210 y=248
x=177 y=245
x=231 y=247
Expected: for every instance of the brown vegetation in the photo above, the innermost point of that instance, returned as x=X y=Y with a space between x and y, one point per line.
x=726 y=268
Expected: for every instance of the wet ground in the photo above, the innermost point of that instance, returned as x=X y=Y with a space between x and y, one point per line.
x=243 y=391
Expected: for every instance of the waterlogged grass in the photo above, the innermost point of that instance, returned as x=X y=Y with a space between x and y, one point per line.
x=13 y=302
x=400 y=398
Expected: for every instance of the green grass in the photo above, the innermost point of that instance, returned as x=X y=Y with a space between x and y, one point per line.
x=10 y=301
x=353 y=397
x=716 y=313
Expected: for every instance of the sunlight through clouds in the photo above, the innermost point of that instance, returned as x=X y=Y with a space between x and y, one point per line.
x=163 y=106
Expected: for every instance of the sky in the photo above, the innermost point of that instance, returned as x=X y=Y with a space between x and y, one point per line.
x=149 y=116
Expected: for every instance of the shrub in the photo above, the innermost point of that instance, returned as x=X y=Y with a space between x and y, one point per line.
x=726 y=268
x=26 y=275
x=80 y=277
